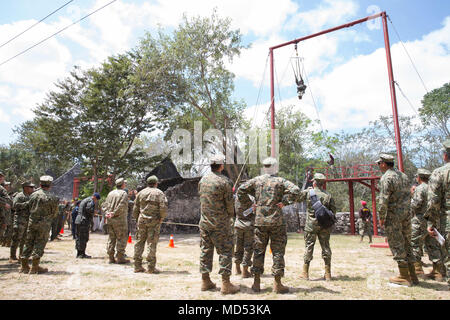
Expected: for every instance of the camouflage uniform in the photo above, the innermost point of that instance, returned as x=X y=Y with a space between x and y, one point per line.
x=5 y=214
x=419 y=234
x=150 y=208
x=43 y=209
x=438 y=207
x=21 y=216
x=365 y=223
x=117 y=202
x=312 y=227
x=394 y=202
x=269 y=190
x=216 y=207
x=244 y=232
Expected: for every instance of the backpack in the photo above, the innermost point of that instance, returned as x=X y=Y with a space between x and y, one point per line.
x=324 y=216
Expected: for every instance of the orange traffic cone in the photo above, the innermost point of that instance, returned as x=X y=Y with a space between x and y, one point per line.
x=171 y=244
x=129 y=239
x=270 y=250
x=62 y=231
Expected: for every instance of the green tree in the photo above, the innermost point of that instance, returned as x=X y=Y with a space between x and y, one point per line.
x=435 y=110
x=197 y=52
x=95 y=115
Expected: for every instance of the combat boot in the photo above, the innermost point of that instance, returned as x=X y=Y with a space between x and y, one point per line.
x=78 y=253
x=111 y=258
x=256 y=287
x=138 y=266
x=227 y=286
x=153 y=270
x=278 y=287
x=305 y=273
x=25 y=266
x=238 y=268
x=370 y=239
x=418 y=268
x=121 y=259
x=245 y=272
x=412 y=274
x=440 y=272
x=35 y=267
x=84 y=255
x=327 y=275
x=207 y=284
x=403 y=278
x=12 y=255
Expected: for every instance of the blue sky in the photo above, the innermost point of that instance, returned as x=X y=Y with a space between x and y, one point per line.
x=347 y=69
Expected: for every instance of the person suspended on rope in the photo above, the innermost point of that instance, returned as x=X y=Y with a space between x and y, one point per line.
x=301 y=87
x=331 y=161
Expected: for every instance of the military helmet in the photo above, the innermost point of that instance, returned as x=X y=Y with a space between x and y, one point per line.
x=27 y=184
x=217 y=159
x=385 y=158
x=152 y=180
x=270 y=161
x=423 y=173
x=319 y=177
x=46 y=180
x=120 y=181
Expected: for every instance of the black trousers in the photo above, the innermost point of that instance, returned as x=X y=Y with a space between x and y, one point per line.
x=82 y=236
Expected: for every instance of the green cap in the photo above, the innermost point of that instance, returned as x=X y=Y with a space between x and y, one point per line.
x=120 y=181
x=270 y=161
x=385 y=158
x=217 y=159
x=446 y=145
x=46 y=180
x=319 y=177
x=27 y=184
x=152 y=179
x=423 y=173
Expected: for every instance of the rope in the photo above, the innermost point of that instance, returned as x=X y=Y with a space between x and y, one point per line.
x=312 y=96
x=254 y=115
x=410 y=104
x=410 y=59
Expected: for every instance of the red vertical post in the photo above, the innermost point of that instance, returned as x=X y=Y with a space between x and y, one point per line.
x=393 y=96
x=272 y=107
x=76 y=186
x=352 y=207
x=374 y=207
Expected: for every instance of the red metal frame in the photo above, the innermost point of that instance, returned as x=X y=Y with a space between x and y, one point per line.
x=390 y=75
x=358 y=173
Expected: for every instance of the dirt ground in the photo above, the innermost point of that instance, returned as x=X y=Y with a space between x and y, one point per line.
x=359 y=272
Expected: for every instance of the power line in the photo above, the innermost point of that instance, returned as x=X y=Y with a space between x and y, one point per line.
x=20 y=53
x=15 y=37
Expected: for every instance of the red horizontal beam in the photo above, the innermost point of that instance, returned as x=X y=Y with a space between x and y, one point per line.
x=353 y=179
x=346 y=25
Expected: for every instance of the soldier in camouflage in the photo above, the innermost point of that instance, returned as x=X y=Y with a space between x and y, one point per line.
x=313 y=229
x=365 y=222
x=43 y=209
x=419 y=234
x=244 y=227
x=394 y=203
x=149 y=210
x=271 y=194
x=116 y=208
x=216 y=209
x=5 y=206
x=437 y=213
x=83 y=221
x=21 y=216
x=7 y=235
